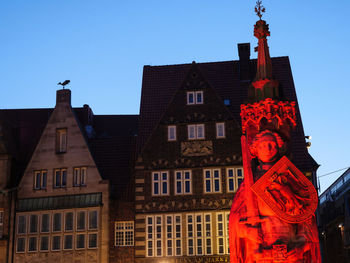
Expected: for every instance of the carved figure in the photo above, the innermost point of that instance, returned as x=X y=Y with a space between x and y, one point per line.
x=257 y=232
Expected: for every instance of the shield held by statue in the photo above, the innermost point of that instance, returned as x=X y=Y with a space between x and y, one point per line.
x=286 y=190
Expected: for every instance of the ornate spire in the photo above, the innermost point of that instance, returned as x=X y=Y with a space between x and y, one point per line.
x=264 y=84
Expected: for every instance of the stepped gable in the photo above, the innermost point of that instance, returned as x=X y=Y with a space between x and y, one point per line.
x=161 y=82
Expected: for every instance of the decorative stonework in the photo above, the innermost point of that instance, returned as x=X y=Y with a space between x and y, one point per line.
x=278 y=112
x=196 y=148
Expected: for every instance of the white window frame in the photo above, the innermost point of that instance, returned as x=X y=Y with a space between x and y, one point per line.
x=61 y=137
x=52 y=237
x=182 y=181
x=160 y=182
x=220 y=126
x=77 y=218
x=36 y=245
x=212 y=179
x=25 y=244
x=25 y=222
x=88 y=240
x=60 y=184
x=172 y=133
x=222 y=234
x=173 y=236
x=48 y=243
x=79 y=176
x=234 y=178
x=193 y=131
x=124 y=227
x=195 y=97
x=42 y=184
x=199 y=234
x=76 y=241
x=64 y=243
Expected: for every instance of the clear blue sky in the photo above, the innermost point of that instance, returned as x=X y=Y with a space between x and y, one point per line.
x=101 y=46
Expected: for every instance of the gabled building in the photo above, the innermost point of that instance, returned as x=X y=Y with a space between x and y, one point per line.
x=70 y=183
x=189 y=161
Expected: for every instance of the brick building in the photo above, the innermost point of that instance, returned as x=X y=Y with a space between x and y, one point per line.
x=153 y=187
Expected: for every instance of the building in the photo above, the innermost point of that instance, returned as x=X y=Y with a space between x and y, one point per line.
x=153 y=187
x=334 y=220
x=68 y=174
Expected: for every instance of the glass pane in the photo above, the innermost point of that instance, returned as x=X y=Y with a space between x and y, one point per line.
x=81 y=220
x=68 y=242
x=68 y=221
x=178 y=187
x=56 y=243
x=93 y=220
x=155 y=188
x=190 y=97
x=32 y=244
x=80 y=241
x=92 y=240
x=57 y=178
x=199 y=97
x=57 y=222
x=64 y=178
x=22 y=224
x=207 y=186
x=45 y=223
x=44 y=243
x=33 y=224
x=187 y=187
x=217 y=185
x=44 y=180
x=165 y=188
x=21 y=244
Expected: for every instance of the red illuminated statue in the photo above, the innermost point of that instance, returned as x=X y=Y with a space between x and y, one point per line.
x=272 y=215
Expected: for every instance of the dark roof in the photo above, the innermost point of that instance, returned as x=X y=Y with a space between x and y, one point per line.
x=161 y=82
x=112 y=145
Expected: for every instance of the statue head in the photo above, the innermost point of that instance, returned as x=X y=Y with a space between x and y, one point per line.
x=267 y=146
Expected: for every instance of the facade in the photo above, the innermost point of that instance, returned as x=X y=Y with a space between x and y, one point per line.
x=153 y=187
x=334 y=220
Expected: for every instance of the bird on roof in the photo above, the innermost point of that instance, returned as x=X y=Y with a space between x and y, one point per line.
x=66 y=82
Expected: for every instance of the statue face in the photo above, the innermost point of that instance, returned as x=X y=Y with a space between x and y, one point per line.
x=267 y=148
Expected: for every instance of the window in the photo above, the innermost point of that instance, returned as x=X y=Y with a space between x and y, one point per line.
x=80 y=241
x=212 y=181
x=173 y=235
x=195 y=131
x=21 y=244
x=61 y=140
x=199 y=240
x=32 y=244
x=160 y=183
x=93 y=220
x=44 y=243
x=79 y=176
x=92 y=240
x=33 y=224
x=234 y=178
x=81 y=220
x=222 y=222
x=194 y=97
x=154 y=236
x=45 y=223
x=1 y=223
x=124 y=233
x=57 y=222
x=220 y=130
x=172 y=133
x=68 y=221
x=68 y=242
x=183 y=181
x=60 y=178
x=56 y=243
x=40 y=179
x=22 y=224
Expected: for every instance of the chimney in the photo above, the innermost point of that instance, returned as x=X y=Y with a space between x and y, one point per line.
x=244 y=58
x=63 y=96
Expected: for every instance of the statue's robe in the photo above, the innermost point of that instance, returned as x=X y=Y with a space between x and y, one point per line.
x=252 y=236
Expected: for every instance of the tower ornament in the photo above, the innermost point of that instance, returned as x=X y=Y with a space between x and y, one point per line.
x=259 y=9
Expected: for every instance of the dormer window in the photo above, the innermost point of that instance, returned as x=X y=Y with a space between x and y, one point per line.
x=172 y=133
x=196 y=131
x=194 y=97
x=61 y=140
